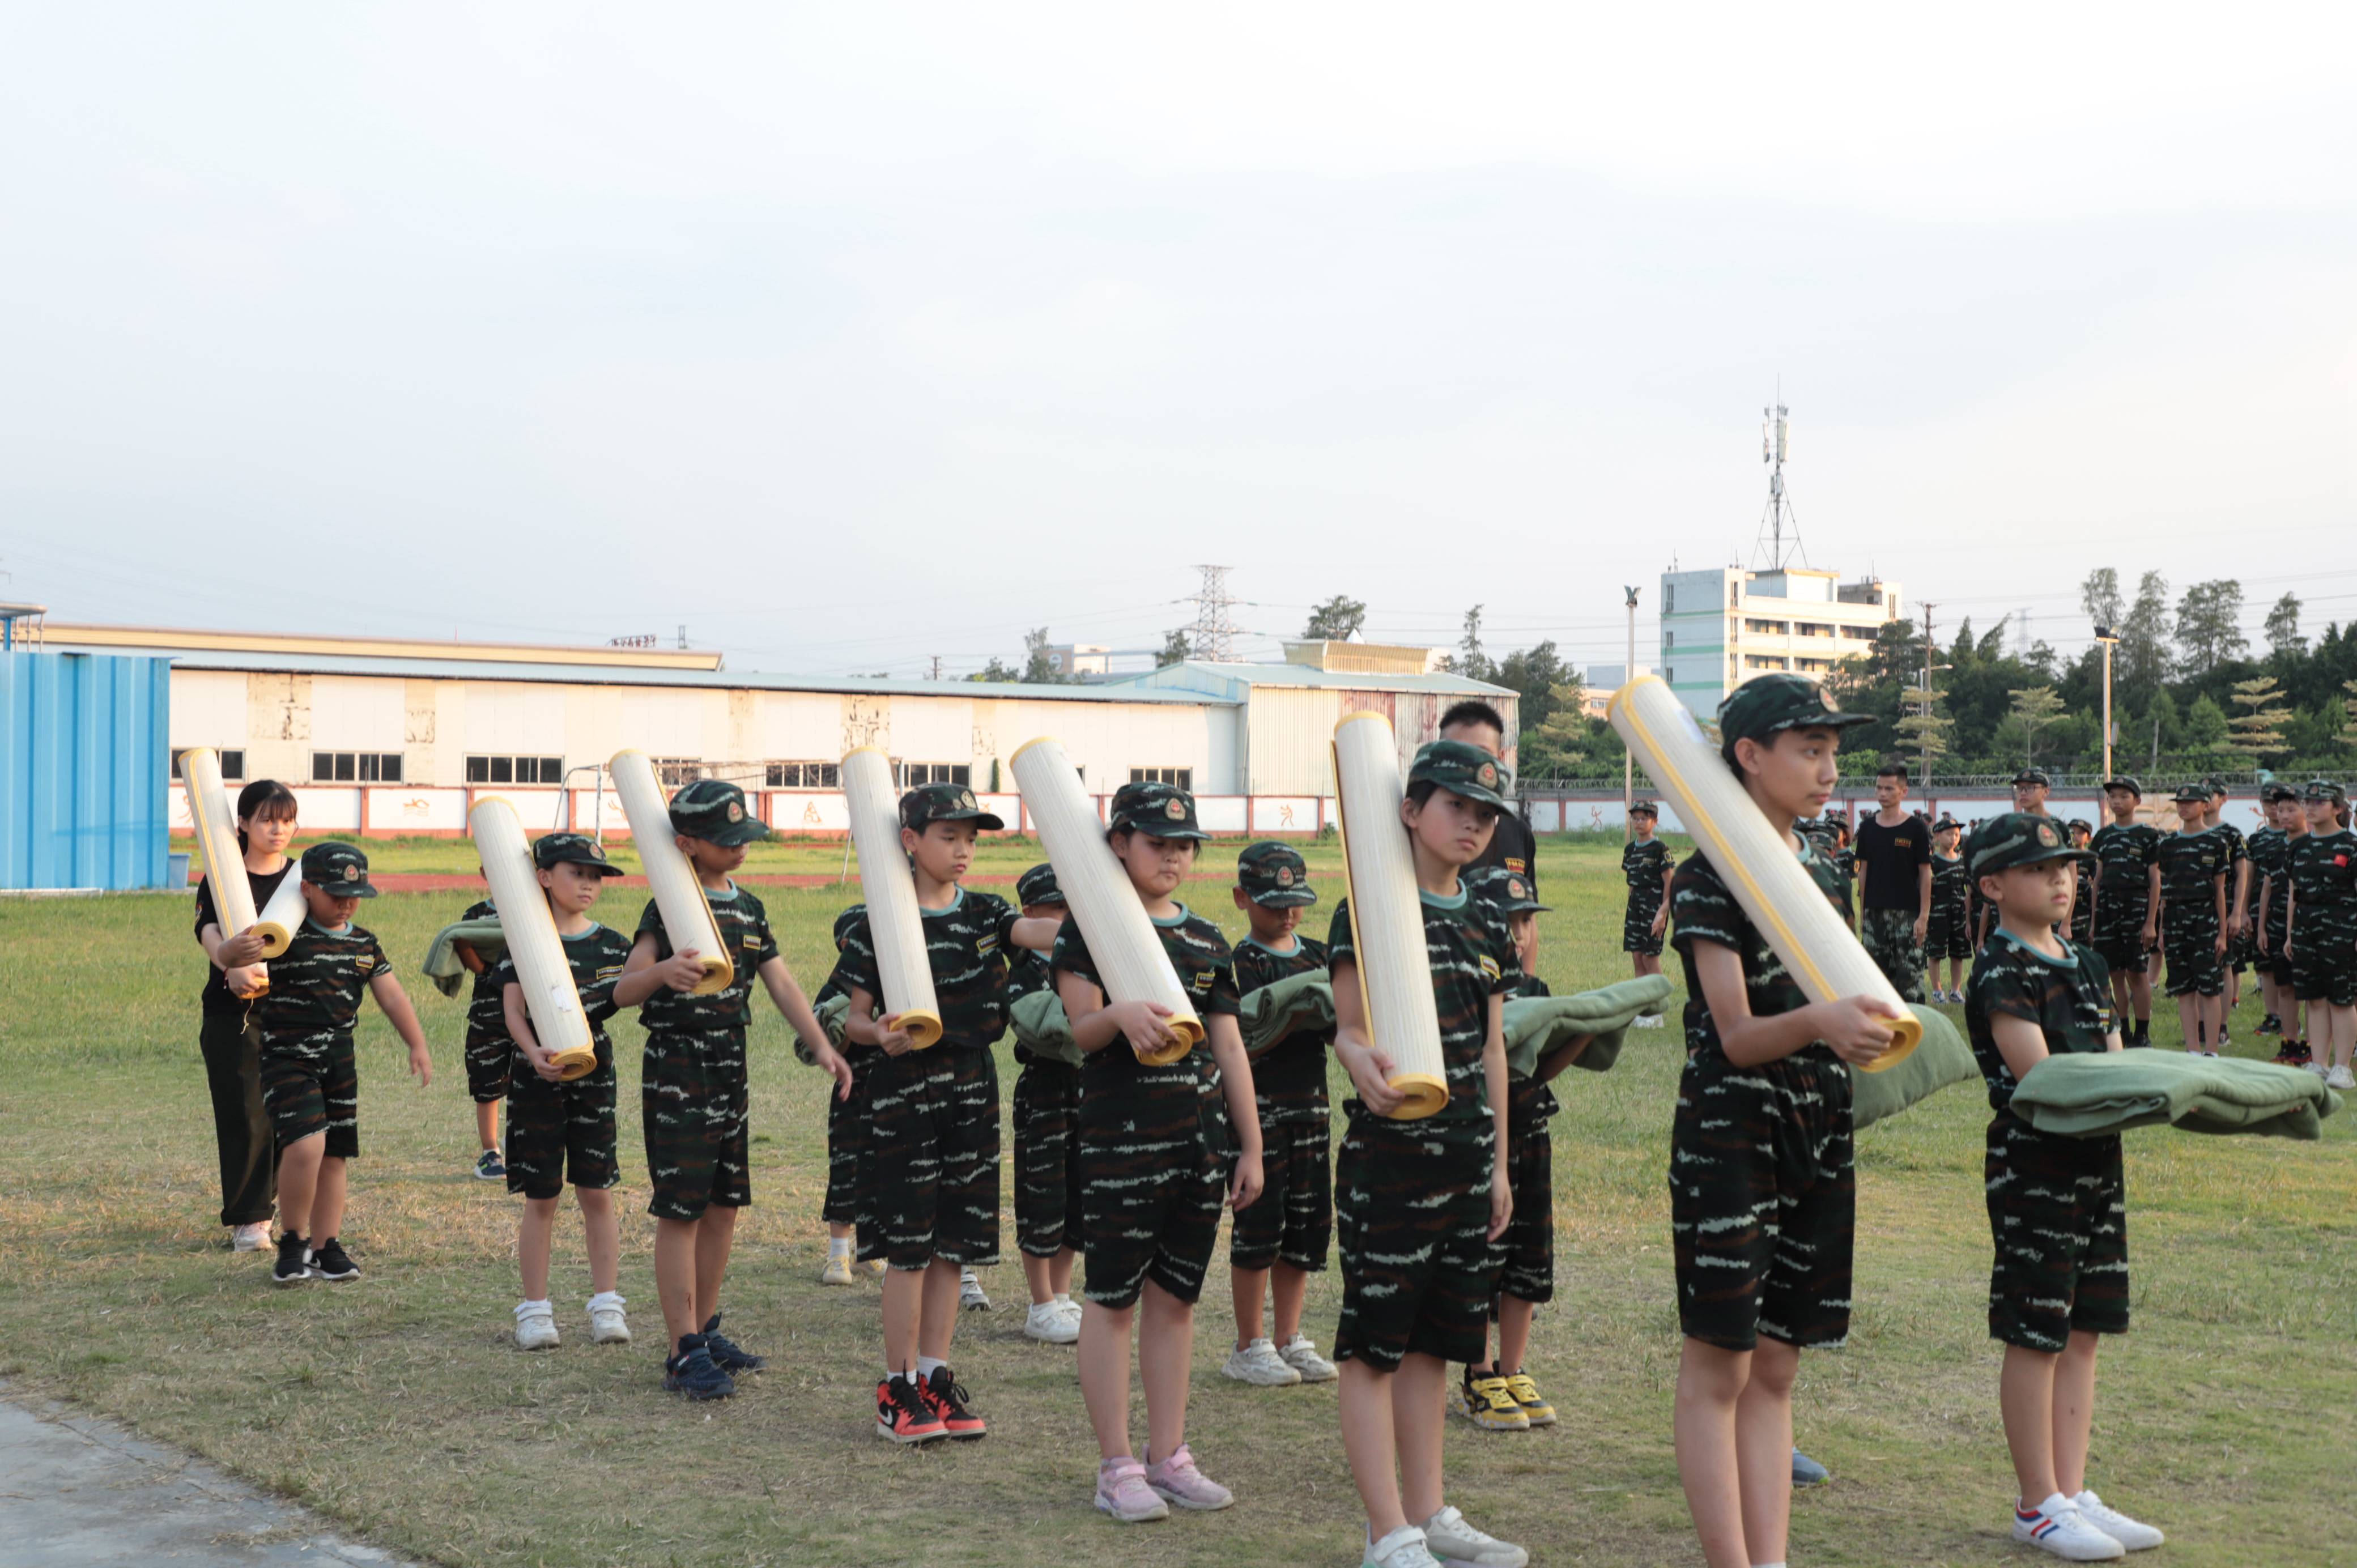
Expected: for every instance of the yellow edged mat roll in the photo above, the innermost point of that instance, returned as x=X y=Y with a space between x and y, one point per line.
x=549 y=995
x=282 y=916
x=216 y=828
x=1097 y=891
x=1757 y=866
x=679 y=897
x=1387 y=913
x=890 y=888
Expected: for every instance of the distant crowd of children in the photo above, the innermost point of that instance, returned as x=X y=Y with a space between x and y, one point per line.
x=1126 y=1155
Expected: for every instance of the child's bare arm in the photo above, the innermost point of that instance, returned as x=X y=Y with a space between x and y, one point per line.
x=643 y=973
x=2020 y=1041
x=1370 y=1068
x=862 y=1027
x=519 y=1021
x=1500 y=1090
x=1227 y=1043
x=1097 y=1023
x=1038 y=933
x=404 y=1017
x=787 y=996
x=1852 y=1026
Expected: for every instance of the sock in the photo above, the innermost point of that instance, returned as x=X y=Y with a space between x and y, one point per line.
x=837 y=1247
x=606 y=1298
x=927 y=1366
x=525 y=1308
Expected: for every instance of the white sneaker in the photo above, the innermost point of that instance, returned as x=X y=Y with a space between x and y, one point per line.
x=253 y=1238
x=1300 y=1353
x=1049 y=1324
x=1643 y=1021
x=1447 y=1537
x=607 y=1324
x=2063 y=1530
x=837 y=1271
x=1071 y=1309
x=1403 y=1548
x=2133 y=1534
x=971 y=1295
x=2318 y=1068
x=535 y=1326
x=1259 y=1365
x=2340 y=1078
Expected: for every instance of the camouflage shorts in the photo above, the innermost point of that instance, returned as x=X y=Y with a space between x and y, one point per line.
x=1890 y=938
x=1151 y=1187
x=1526 y=1254
x=2057 y=1217
x=1947 y=937
x=560 y=1132
x=931 y=1170
x=1412 y=1209
x=2123 y=954
x=1292 y=1221
x=847 y=1140
x=1046 y=1159
x=692 y=1104
x=487 y=1060
x=311 y=1087
x=1637 y=933
x=2189 y=941
x=2324 y=964
x=1763 y=1201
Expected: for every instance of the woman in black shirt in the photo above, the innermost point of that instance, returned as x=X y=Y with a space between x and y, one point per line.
x=265 y=825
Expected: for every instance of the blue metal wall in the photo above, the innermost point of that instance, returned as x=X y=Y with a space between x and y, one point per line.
x=84 y=781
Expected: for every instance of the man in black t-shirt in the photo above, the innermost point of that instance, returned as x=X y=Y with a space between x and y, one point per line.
x=1894 y=864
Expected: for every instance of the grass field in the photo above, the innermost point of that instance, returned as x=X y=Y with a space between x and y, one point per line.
x=397 y=1406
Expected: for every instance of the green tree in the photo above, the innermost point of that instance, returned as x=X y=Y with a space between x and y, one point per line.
x=1175 y=648
x=2206 y=728
x=1924 y=730
x=2349 y=713
x=996 y=670
x=2282 y=628
x=1538 y=673
x=1336 y=620
x=2034 y=708
x=2142 y=653
x=2099 y=596
x=2258 y=728
x=1469 y=660
x=2209 y=624
x=1037 y=669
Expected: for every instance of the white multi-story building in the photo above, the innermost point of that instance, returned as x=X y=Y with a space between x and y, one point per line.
x=1720 y=628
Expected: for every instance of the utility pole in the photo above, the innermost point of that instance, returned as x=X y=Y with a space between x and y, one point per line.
x=1212 y=637
x=937 y=667
x=1928 y=645
x=2109 y=639
x=1627 y=761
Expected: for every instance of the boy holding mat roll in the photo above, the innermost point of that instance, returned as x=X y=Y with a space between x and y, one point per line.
x=1762 y=1194
x=1420 y=1202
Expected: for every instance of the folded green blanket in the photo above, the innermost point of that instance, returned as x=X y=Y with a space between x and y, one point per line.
x=833 y=1015
x=1041 y=1027
x=445 y=968
x=1538 y=1027
x=2085 y=1095
x=1306 y=999
x=1939 y=1059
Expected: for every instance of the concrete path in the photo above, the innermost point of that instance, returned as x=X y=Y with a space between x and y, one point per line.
x=78 y=1491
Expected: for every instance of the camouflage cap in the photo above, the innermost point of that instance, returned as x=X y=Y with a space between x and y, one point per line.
x=2033 y=775
x=1767 y=705
x=2216 y=785
x=714 y=809
x=2126 y=781
x=1645 y=808
x=1944 y=823
x=930 y=803
x=1157 y=810
x=2323 y=790
x=338 y=869
x=1038 y=886
x=551 y=849
x=1463 y=769
x=2080 y=825
x=1274 y=875
x=1510 y=892
x=2275 y=790
x=2191 y=795
x=2016 y=839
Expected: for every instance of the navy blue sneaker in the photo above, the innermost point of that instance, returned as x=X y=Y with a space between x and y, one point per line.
x=726 y=1353
x=489 y=1167
x=1807 y=1472
x=692 y=1373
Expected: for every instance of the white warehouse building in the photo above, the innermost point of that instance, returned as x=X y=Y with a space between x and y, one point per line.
x=1720 y=628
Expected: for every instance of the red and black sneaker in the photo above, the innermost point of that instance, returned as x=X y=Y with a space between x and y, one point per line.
x=903 y=1414
x=947 y=1401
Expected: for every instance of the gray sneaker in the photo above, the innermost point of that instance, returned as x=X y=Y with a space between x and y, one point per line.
x=1300 y=1353
x=1259 y=1364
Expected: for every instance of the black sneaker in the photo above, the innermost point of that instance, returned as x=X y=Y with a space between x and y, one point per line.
x=726 y=1353
x=2270 y=1025
x=294 y=1265
x=692 y=1373
x=488 y=1166
x=946 y=1397
x=331 y=1262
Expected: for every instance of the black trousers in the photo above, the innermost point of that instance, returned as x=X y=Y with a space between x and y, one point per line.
x=249 y=1155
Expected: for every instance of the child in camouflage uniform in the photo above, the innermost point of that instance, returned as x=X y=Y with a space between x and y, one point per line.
x=2241 y=948
x=692 y=1091
x=1645 y=867
x=1154 y=1161
x=2057 y=1206
x=2127 y=905
x=1280 y=1240
x=2083 y=886
x=2320 y=935
x=1949 y=933
x=488 y=1050
x=310 y=1084
x=2193 y=866
x=559 y=1130
x=1762 y=1190
x=2289 y=816
x=930 y=1173
x=844 y=1208
x=1499 y=1394
x=1421 y=1204
x=2267 y=849
x=1047 y=1112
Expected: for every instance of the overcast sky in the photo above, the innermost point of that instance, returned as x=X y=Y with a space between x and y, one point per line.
x=849 y=336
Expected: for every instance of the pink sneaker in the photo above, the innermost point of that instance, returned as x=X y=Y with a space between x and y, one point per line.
x=1177 y=1480
x=1122 y=1492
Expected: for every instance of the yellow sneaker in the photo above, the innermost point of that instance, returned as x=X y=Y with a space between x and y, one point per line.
x=837 y=1271
x=873 y=1268
x=1525 y=1393
x=1486 y=1402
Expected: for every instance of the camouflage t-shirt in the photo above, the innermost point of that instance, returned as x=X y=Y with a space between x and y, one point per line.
x=595 y=957
x=1289 y=1080
x=1207 y=971
x=2324 y=875
x=745 y=933
x=2189 y=863
x=487 y=1019
x=2128 y=852
x=2269 y=852
x=1951 y=890
x=316 y=985
x=2069 y=998
x=1702 y=910
x=1027 y=972
x=1642 y=864
x=967 y=946
x=1472 y=959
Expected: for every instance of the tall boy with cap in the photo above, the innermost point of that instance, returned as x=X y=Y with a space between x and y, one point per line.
x=1282 y=1238
x=2193 y=912
x=2127 y=904
x=310 y=1085
x=1894 y=863
x=2030 y=788
x=1046 y=1111
x=2057 y=1206
x=1949 y=934
x=1645 y=865
x=2264 y=847
x=2287 y=819
x=693 y=1095
x=1763 y=1128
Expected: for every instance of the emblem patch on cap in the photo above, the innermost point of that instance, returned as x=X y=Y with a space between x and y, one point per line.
x=2046 y=836
x=1285 y=876
x=965 y=800
x=1488 y=775
x=1175 y=808
x=1514 y=887
x=736 y=811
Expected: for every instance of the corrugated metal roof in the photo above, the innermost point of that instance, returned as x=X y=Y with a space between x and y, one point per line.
x=1233 y=679
x=702 y=680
